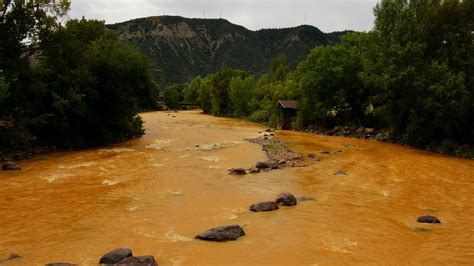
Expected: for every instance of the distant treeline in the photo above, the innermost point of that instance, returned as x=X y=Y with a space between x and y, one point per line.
x=71 y=85
x=412 y=75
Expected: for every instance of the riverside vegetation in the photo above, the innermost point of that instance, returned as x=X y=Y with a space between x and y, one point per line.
x=75 y=85
x=71 y=85
x=411 y=77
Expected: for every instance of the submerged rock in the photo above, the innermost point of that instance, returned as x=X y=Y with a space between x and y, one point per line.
x=10 y=166
x=286 y=199
x=340 y=172
x=223 y=233
x=138 y=261
x=116 y=256
x=237 y=171
x=254 y=170
x=312 y=155
x=428 y=219
x=12 y=256
x=264 y=206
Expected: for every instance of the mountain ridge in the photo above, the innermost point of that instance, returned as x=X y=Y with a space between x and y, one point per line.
x=181 y=48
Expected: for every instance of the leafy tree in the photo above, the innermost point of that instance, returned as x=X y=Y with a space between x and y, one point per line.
x=220 y=89
x=173 y=95
x=241 y=93
x=332 y=92
x=417 y=59
x=88 y=88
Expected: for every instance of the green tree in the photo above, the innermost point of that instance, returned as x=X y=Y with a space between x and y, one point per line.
x=418 y=59
x=173 y=95
x=332 y=92
x=241 y=93
x=95 y=87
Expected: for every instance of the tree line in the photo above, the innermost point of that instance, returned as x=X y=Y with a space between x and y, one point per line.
x=412 y=75
x=71 y=84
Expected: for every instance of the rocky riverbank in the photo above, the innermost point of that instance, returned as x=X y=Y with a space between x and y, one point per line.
x=446 y=147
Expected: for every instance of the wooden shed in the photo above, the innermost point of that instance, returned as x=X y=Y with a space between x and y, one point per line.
x=287 y=114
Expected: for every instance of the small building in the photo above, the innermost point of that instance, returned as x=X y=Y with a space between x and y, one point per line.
x=287 y=114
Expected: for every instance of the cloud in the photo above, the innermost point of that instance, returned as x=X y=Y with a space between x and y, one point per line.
x=328 y=15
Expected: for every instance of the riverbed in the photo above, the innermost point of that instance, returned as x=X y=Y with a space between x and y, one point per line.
x=154 y=194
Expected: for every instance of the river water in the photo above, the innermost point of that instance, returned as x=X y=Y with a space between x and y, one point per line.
x=154 y=194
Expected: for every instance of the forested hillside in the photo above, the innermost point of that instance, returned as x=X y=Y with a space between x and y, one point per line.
x=181 y=48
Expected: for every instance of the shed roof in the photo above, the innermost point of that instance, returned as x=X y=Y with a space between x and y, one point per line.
x=288 y=104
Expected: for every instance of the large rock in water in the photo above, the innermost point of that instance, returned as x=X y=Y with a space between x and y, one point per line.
x=428 y=219
x=237 y=171
x=10 y=166
x=138 y=261
x=264 y=206
x=223 y=233
x=116 y=256
x=286 y=199
x=265 y=164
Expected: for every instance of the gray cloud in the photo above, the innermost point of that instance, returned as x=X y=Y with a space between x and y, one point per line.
x=327 y=15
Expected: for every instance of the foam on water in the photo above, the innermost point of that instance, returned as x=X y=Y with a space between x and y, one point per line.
x=109 y=182
x=173 y=237
x=78 y=165
x=57 y=176
x=160 y=144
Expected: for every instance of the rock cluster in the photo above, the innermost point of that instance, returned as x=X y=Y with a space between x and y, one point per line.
x=355 y=132
x=10 y=166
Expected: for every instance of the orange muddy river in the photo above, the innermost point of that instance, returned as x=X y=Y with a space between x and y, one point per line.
x=154 y=194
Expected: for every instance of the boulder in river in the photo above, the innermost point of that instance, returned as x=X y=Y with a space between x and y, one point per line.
x=264 y=164
x=237 y=171
x=222 y=233
x=254 y=170
x=10 y=166
x=428 y=219
x=286 y=199
x=138 y=261
x=264 y=206
x=116 y=256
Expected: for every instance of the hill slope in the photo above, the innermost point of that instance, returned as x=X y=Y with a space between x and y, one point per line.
x=181 y=48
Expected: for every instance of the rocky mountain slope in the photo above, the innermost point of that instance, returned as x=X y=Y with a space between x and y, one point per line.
x=181 y=48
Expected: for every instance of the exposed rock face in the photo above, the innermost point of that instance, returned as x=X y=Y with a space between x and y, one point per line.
x=11 y=166
x=237 y=171
x=180 y=49
x=286 y=199
x=428 y=219
x=138 y=261
x=116 y=256
x=264 y=206
x=223 y=233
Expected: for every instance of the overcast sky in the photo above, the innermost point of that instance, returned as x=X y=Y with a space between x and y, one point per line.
x=327 y=15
